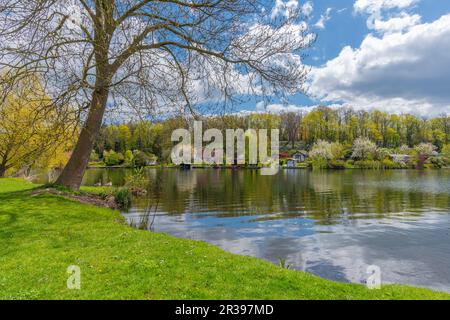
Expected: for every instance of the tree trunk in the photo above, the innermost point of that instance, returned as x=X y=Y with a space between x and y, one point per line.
x=72 y=174
x=2 y=171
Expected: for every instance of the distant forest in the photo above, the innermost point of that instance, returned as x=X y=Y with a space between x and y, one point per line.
x=298 y=131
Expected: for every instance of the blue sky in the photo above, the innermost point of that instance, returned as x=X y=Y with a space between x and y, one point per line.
x=346 y=27
x=407 y=39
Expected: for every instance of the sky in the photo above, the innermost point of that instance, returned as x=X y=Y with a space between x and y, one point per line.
x=391 y=55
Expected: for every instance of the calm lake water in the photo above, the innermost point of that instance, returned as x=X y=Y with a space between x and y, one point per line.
x=332 y=223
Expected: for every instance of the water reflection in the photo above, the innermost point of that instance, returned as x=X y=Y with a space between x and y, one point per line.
x=333 y=223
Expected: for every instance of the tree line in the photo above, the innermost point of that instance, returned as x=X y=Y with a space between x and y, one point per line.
x=298 y=131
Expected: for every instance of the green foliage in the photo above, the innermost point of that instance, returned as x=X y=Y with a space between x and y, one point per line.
x=283 y=264
x=349 y=164
x=111 y=158
x=123 y=197
x=438 y=162
x=129 y=158
x=383 y=153
x=368 y=164
x=32 y=132
x=389 y=164
x=141 y=159
x=119 y=262
x=94 y=157
x=327 y=155
x=338 y=151
x=446 y=150
x=136 y=180
x=319 y=163
x=336 y=164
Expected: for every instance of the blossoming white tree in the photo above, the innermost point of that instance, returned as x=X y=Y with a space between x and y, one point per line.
x=364 y=149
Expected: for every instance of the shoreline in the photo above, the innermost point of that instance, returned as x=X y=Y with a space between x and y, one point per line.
x=259 y=168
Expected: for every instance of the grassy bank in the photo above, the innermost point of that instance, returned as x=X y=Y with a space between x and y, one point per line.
x=41 y=235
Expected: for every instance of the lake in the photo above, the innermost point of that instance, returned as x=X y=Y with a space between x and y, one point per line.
x=330 y=223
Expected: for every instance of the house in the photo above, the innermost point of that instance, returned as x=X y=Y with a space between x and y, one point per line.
x=284 y=155
x=300 y=156
x=291 y=163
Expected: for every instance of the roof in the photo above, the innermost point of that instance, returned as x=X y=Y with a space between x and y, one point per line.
x=301 y=152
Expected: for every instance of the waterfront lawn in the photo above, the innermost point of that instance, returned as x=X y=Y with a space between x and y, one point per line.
x=42 y=234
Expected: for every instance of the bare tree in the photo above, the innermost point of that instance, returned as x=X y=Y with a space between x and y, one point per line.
x=150 y=56
x=290 y=123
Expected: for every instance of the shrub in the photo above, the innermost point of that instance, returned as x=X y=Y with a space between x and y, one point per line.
x=368 y=164
x=129 y=157
x=438 y=162
x=364 y=149
x=123 y=198
x=319 y=163
x=338 y=151
x=137 y=182
x=446 y=154
x=321 y=150
x=336 y=164
x=349 y=164
x=94 y=157
x=404 y=149
x=389 y=164
x=141 y=159
x=383 y=153
x=425 y=149
x=111 y=158
x=446 y=150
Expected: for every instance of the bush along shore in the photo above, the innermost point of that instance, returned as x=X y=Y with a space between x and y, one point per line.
x=363 y=154
x=44 y=234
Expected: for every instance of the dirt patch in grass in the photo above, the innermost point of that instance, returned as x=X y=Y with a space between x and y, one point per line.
x=106 y=201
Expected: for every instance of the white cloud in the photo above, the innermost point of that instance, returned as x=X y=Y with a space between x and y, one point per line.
x=323 y=19
x=398 y=24
x=399 y=72
x=280 y=108
x=372 y=6
x=376 y=9
x=262 y=107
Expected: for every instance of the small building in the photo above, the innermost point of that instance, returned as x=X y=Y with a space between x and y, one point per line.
x=284 y=155
x=300 y=156
x=291 y=163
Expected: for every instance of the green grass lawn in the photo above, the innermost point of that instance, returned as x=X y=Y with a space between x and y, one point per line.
x=41 y=235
